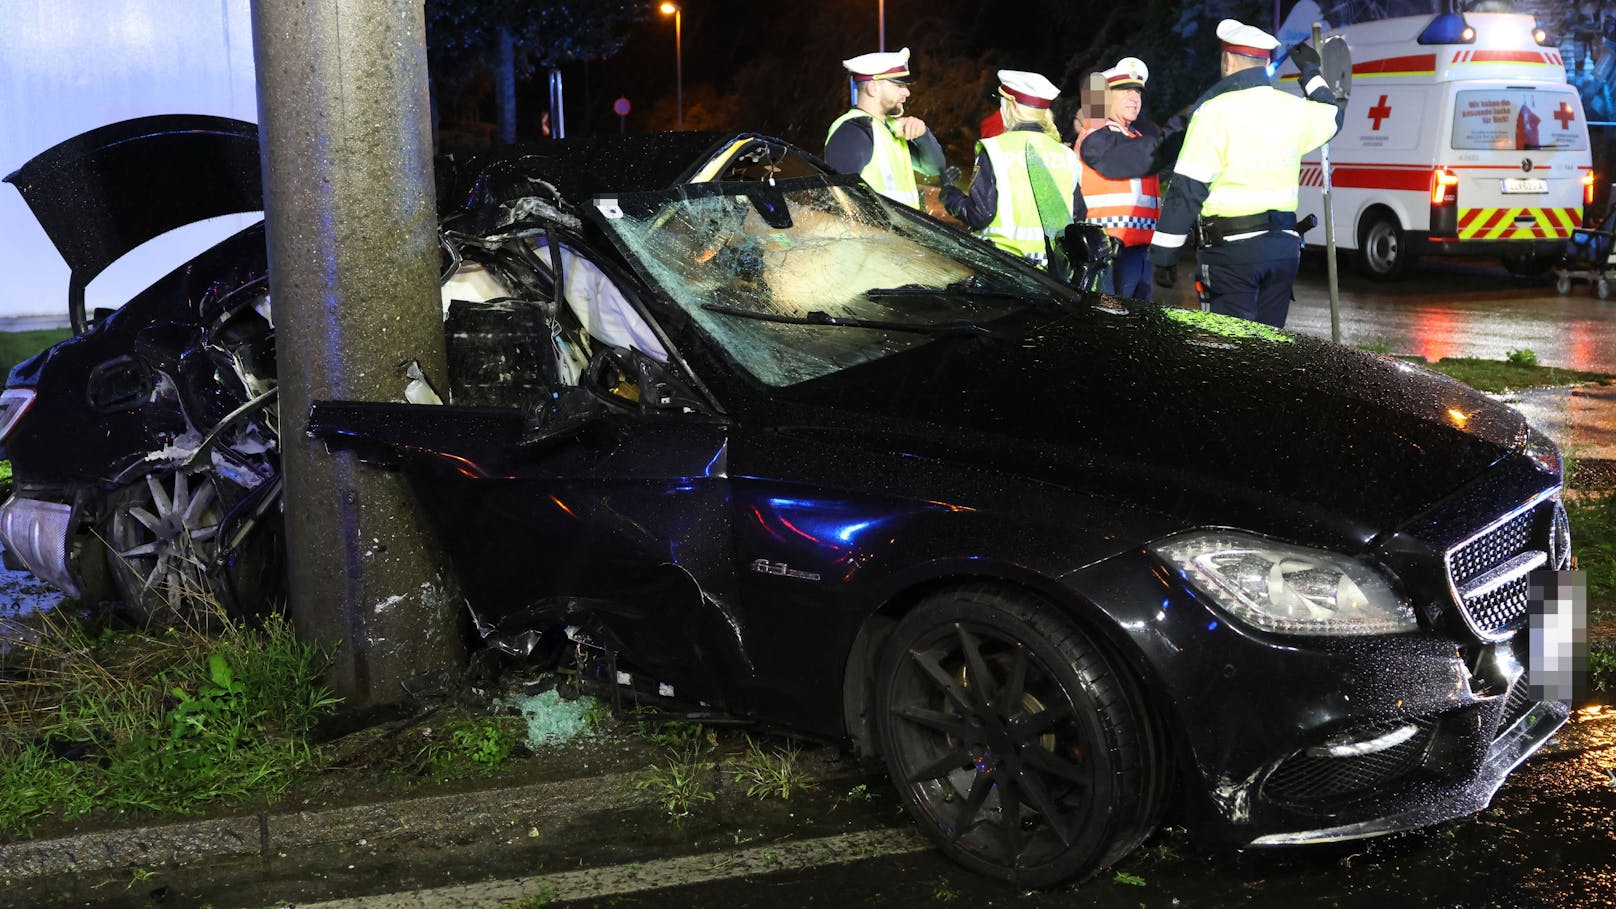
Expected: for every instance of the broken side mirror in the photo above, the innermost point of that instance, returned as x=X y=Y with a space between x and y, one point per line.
x=1088 y=250
x=573 y=413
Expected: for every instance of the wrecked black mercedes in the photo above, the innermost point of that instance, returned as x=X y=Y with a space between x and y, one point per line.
x=759 y=442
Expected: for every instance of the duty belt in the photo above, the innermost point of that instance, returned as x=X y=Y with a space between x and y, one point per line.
x=1216 y=231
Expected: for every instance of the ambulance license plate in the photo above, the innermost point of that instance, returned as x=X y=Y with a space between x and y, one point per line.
x=1525 y=185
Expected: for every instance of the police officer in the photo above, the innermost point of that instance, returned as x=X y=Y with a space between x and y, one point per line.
x=874 y=139
x=1238 y=170
x=1025 y=189
x=1121 y=154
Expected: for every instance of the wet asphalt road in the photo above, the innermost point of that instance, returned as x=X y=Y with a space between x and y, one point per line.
x=1453 y=307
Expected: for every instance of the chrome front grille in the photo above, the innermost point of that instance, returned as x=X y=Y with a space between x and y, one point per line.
x=1491 y=549
x=1488 y=572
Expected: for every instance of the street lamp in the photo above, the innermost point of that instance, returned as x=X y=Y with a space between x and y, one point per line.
x=677 y=12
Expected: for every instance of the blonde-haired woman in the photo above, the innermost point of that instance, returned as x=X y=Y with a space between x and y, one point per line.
x=1026 y=184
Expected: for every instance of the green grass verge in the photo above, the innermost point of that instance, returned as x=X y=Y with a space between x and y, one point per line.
x=17 y=346
x=1502 y=375
x=165 y=722
x=1593 y=539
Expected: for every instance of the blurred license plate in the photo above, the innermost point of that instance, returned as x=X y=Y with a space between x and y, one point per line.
x=1525 y=185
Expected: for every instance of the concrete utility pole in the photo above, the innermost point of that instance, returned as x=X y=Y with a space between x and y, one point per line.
x=352 y=223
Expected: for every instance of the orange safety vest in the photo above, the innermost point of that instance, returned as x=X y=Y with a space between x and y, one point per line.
x=1127 y=209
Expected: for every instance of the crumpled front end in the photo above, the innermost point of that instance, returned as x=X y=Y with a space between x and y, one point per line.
x=1524 y=726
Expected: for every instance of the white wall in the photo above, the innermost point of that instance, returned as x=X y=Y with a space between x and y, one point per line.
x=67 y=66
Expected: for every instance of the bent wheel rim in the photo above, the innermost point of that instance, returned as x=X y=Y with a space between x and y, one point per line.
x=165 y=539
x=994 y=749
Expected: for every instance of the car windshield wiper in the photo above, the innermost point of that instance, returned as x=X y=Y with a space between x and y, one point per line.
x=817 y=317
x=967 y=288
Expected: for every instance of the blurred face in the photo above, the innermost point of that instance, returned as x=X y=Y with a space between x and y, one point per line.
x=1123 y=104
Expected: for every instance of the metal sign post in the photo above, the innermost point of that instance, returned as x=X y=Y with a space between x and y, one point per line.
x=1335 y=57
x=621 y=107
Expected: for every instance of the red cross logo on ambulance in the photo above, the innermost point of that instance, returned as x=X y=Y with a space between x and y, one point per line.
x=1564 y=114
x=1380 y=112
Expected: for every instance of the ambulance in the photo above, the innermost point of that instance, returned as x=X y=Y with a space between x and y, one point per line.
x=1461 y=138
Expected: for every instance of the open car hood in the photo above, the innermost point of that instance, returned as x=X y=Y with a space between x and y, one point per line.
x=105 y=192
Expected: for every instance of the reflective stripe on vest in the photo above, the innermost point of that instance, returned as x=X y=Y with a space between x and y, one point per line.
x=1127 y=209
x=1016 y=226
x=890 y=170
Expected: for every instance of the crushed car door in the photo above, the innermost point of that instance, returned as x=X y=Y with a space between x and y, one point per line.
x=607 y=510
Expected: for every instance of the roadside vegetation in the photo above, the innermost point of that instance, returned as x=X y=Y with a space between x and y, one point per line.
x=17 y=346
x=695 y=760
x=1520 y=370
x=167 y=722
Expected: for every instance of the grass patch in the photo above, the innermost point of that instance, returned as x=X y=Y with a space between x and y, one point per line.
x=467 y=746
x=773 y=772
x=17 y=346
x=1593 y=540
x=166 y=722
x=680 y=781
x=1602 y=669
x=1521 y=370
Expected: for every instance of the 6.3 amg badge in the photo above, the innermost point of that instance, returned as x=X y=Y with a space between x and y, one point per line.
x=764 y=566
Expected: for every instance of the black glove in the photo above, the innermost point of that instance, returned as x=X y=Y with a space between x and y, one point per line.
x=1166 y=276
x=951 y=175
x=1305 y=57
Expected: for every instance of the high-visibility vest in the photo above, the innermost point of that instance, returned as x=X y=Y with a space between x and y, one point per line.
x=890 y=170
x=1016 y=225
x=1249 y=170
x=1127 y=209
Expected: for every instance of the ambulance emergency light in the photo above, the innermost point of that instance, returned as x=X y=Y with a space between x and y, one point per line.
x=1448 y=28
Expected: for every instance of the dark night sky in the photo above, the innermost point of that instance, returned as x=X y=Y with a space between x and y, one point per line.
x=722 y=36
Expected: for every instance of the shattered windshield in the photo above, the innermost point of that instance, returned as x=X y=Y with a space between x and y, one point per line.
x=808 y=277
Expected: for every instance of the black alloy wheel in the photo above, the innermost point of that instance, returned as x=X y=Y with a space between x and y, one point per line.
x=1015 y=743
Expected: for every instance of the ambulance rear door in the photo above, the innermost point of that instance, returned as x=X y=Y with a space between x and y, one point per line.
x=1519 y=153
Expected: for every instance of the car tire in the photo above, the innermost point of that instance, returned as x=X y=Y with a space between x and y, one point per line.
x=1562 y=285
x=1050 y=780
x=1383 y=252
x=161 y=535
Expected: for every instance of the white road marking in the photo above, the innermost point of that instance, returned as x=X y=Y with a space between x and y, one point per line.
x=634 y=877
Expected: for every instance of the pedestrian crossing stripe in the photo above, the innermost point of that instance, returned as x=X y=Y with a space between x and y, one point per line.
x=1501 y=223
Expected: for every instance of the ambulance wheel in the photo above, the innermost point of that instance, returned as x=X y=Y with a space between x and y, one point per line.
x=1383 y=252
x=1602 y=289
x=1562 y=285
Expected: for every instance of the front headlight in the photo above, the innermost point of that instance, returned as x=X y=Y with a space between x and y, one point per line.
x=1289 y=589
x=1542 y=450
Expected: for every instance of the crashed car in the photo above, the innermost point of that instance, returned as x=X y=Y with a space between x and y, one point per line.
x=756 y=441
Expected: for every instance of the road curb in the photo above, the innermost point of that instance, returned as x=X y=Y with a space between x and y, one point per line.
x=266 y=833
